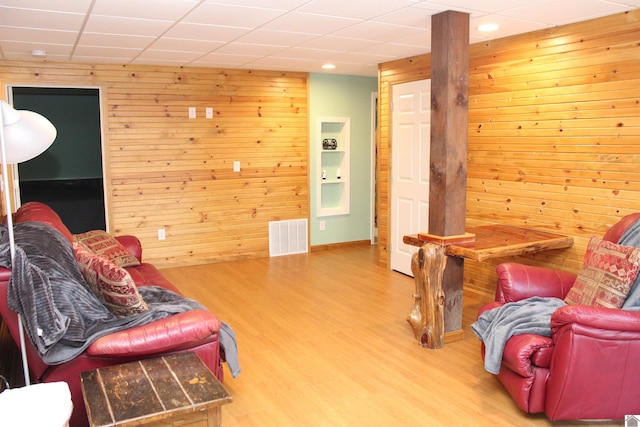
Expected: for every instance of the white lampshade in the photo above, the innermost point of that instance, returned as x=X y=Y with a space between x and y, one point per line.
x=26 y=134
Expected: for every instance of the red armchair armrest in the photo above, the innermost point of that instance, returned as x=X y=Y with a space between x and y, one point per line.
x=518 y=281
x=132 y=243
x=599 y=320
x=523 y=352
x=159 y=336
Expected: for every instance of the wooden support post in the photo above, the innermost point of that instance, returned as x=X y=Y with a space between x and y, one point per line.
x=449 y=127
x=427 y=314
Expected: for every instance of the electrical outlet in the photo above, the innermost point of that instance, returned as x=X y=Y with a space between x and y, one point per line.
x=162 y=234
x=192 y=112
x=236 y=166
x=323 y=226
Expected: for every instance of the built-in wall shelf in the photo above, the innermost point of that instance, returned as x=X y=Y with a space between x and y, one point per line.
x=333 y=147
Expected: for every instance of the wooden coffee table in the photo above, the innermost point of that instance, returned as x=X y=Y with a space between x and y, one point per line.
x=167 y=391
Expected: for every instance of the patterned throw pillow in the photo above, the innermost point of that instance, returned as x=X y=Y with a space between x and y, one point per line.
x=606 y=276
x=102 y=243
x=111 y=283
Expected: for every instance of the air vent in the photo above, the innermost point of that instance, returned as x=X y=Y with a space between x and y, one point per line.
x=288 y=237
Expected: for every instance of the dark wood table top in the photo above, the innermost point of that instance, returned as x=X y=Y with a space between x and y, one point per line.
x=498 y=240
x=150 y=390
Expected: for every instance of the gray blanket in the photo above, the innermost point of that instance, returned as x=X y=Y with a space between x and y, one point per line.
x=62 y=316
x=495 y=327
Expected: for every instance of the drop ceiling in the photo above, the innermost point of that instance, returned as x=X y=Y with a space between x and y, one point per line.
x=287 y=35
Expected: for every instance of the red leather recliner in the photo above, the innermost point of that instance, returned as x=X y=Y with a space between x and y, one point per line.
x=590 y=366
x=192 y=331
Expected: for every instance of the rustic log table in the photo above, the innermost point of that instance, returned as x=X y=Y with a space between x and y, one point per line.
x=479 y=243
x=164 y=391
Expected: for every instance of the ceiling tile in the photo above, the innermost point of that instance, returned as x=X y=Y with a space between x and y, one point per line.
x=564 y=12
x=166 y=43
x=310 y=23
x=35 y=35
x=344 y=44
x=422 y=40
x=126 y=26
x=410 y=17
x=508 y=26
x=77 y=6
x=390 y=50
x=108 y=52
x=232 y=16
x=162 y=10
x=205 y=32
x=275 y=63
x=304 y=53
x=354 y=9
x=280 y=38
x=249 y=49
x=24 y=18
x=360 y=57
x=274 y=4
x=377 y=31
x=115 y=40
x=491 y=6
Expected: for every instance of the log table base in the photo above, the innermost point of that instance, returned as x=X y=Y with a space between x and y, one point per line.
x=427 y=314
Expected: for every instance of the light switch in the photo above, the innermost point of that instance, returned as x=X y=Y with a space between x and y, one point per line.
x=192 y=112
x=209 y=113
x=236 y=166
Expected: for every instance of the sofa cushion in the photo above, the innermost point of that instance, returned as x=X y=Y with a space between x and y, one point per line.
x=111 y=283
x=102 y=243
x=606 y=276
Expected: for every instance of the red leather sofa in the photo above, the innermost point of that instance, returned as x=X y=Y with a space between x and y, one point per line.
x=589 y=368
x=192 y=331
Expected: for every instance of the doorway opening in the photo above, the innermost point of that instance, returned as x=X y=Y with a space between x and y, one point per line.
x=69 y=175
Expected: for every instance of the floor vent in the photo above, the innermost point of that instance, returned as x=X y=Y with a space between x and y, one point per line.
x=288 y=237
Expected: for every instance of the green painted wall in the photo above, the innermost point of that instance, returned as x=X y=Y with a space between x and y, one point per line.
x=343 y=96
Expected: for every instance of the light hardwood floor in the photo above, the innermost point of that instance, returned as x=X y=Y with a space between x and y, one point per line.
x=324 y=341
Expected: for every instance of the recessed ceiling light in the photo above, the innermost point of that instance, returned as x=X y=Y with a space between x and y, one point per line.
x=488 y=27
x=328 y=67
x=38 y=52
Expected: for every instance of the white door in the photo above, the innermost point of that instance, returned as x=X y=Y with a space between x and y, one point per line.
x=411 y=121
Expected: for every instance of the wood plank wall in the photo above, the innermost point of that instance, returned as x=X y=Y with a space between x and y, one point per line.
x=554 y=135
x=165 y=170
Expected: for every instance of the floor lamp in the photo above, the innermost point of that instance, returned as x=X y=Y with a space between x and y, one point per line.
x=24 y=135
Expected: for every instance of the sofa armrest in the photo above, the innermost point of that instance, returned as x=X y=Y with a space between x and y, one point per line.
x=518 y=281
x=133 y=245
x=157 y=337
x=524 y=352
x=603 y=322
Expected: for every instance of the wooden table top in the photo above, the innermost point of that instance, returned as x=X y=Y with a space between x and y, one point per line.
x=498 y=240
x=150 y=390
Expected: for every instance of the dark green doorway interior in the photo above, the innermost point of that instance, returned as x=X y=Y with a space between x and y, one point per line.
x=68 y=176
